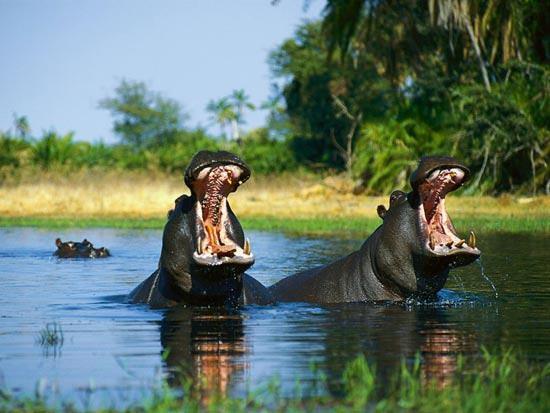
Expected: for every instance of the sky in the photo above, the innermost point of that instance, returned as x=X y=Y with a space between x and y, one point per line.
x=59 y=58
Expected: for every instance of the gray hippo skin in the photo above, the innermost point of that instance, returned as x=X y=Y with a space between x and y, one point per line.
x=84 y=249
x=408 y=256
x=204 y=251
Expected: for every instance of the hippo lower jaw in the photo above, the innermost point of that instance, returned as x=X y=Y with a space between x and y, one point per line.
x=440 y=237
x=213 y=245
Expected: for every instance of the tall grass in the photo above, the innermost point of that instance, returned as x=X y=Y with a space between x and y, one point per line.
x=300 y=204
x=289 y=202
x=494 y=382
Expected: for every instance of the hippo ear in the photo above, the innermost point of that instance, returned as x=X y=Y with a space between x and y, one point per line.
x=58 y=242
x=381 y=209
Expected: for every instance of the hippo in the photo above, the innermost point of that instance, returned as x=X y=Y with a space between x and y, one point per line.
x=204 y=252
x=84 y=249
x=407 y=257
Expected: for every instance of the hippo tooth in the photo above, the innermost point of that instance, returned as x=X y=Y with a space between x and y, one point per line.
x=449 y=244
x=199 y=246
x=460 y=243
x=472 y=239
x=246 y=248
x=432 y=242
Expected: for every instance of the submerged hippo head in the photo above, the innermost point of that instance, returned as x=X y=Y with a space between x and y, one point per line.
x=417 y=243
x=203 y=241
x=84 y=249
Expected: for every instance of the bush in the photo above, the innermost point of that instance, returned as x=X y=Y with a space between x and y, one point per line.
x=387 y=152
x=265 y=155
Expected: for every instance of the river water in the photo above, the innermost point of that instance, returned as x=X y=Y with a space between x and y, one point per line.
x=113 y=352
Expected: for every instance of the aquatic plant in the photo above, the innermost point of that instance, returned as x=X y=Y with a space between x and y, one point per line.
x=503 y=381
x=51 y=335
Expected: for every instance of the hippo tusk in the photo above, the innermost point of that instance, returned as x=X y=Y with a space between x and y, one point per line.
x=472 y=239
x=199 y=246
x=246 y=248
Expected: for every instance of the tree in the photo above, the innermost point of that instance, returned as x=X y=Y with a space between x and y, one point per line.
x=142 y=117
x=378 y=83
x=21 y=125
x=326 y=102
x=240 y=101
x=222 y=113
x=229 y=110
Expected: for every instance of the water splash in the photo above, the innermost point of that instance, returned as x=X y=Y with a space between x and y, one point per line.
x=480 y=263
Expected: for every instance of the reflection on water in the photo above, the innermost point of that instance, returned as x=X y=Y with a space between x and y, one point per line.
x=203 y=344
x=122 y=349
x=440 y=350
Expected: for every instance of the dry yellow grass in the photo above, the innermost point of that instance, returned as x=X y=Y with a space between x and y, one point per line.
x=143 y=196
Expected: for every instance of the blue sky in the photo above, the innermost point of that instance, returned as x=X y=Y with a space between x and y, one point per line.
x=60 y=57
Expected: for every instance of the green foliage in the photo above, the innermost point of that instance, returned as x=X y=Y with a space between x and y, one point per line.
x=359 y=381
x=51 y=335
x=503 y=382
x=367 y=90
x=343 y=227
x=265 y=155
x=387 y=152
x=504 y=134
x=13 y=151
x=229 y=111
x=54 y=150
x=143 y=118
x=378 y=84
x=176 y=157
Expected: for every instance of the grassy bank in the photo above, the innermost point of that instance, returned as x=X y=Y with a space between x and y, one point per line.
x=297 y=226
x=495 y=383
x=300 y=204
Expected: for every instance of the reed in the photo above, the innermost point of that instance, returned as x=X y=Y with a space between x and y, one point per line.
x=492 y=382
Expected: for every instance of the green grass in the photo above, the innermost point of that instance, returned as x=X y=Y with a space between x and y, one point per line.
x=297 y=226
x=504 y=382
x=51 y=335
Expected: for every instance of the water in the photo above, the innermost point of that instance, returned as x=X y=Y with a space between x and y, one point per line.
x=112 y=352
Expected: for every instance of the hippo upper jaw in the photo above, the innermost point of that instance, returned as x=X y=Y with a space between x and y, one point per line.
x=217 y=240
x=439 y=237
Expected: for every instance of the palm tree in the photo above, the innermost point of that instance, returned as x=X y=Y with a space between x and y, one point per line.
x=222 y=112
x=21 y=125
x=460 y=14
x=240 y=101
x=498 y=30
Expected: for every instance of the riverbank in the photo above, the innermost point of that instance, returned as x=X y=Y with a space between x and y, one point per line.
x=299 y=226
x=302 y=205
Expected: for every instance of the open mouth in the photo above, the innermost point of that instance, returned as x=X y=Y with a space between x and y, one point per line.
x=441 y=236
x=214 y=246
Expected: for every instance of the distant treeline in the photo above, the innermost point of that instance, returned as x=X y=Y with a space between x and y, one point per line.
x=366 y=91
x=61 y=153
